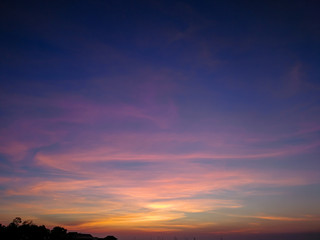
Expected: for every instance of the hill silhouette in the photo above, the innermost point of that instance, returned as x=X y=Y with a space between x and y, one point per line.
x=27 y=230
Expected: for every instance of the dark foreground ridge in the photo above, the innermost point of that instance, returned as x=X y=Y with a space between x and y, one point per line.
x=26 y=230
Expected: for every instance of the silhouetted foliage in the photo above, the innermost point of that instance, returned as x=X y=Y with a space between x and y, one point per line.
x=110 y=238
x=16 y=222
x=27 y=230
x=58 y=233
x=2 y=229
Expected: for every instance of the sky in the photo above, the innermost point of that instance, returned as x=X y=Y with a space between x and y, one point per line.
x=161 y=118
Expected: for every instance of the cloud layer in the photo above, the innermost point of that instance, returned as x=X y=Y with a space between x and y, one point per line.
x=183 y=125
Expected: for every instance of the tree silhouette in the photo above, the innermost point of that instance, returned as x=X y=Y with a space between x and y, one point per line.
x=27 y=230
x=58 y=233
x=110 y=238
x=16 y=222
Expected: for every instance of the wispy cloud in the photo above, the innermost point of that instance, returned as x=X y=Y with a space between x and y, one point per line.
x=160 y=117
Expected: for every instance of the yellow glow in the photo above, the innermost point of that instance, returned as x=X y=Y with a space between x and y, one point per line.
x=160 y=206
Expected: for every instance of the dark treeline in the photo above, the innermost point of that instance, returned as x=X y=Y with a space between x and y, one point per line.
x=27 y=230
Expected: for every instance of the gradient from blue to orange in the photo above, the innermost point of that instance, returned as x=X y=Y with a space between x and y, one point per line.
x=179 y=117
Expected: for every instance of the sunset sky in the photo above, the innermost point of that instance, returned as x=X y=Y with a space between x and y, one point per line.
x=141 y=118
